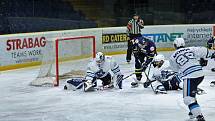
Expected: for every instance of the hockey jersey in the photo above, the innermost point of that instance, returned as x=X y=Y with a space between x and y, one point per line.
x=185 y=61
x=165 y=77
x=149 y=48
x=211 y=43
x=155 y=73
x=109 y=66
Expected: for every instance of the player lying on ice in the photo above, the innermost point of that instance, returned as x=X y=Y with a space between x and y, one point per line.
x=102 y=68
x=161 y=78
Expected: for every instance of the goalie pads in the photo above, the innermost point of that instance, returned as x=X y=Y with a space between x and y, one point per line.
x=89 y=85
x=74 y=84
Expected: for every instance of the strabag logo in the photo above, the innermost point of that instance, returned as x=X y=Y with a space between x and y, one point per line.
x=114 y=38
x=26 y=49
x=18 y=44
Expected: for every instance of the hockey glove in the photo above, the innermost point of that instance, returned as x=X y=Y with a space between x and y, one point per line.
x=203 y=62
x=88 y=86
x=99 y=73
x=119 y=81
x=154 y=64
x=135 y=48
x=140 y=23
x=213 y=55
x=146 y=84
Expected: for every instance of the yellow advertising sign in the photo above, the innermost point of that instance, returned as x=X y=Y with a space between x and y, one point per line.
x=113 y=38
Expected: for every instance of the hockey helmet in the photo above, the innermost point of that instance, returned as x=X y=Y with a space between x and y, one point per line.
x=158 y=60
x=100 y=58
x=159 y=57
x=179 y=42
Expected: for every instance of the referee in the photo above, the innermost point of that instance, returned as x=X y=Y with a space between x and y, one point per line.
x=134 y=27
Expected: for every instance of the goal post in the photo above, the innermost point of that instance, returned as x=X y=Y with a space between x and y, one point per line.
x=62 y=59
x=74 y=39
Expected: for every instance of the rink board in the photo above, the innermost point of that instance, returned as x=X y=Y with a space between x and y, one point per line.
x=26 y=49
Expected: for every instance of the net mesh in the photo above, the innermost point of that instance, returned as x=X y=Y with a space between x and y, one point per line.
x=73 y=56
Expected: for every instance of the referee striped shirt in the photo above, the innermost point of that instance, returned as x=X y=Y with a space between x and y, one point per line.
x=135 y=27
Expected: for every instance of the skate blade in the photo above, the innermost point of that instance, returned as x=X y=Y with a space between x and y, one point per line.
x=89 y=89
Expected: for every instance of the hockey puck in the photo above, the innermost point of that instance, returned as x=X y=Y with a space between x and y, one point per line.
x=213 y=69
x=65 y=87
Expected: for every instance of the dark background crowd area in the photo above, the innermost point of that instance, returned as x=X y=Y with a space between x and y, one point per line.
x=21 y=16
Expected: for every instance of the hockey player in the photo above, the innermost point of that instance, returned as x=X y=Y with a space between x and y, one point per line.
x=161 y=78
x=185 y=61
x=144 y=51
x=211 y=45
x=102 y=68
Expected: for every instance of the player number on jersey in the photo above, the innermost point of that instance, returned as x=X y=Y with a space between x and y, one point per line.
x=184 y=58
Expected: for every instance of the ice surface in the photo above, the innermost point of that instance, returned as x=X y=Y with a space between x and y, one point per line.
x=21 y=102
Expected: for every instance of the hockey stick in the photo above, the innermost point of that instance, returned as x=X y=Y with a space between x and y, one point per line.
x=110 y=85
x=152 y=86
x=128 y=76
x=149 y=81
x=120 y=79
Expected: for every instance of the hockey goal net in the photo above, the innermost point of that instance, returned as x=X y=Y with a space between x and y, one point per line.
x=65 y=58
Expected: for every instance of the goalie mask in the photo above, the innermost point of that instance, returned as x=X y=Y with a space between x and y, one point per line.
x=100 y=58
x=158 y=61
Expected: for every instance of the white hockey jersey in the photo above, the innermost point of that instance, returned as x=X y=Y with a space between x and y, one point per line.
x=101 y=70
x=185 y=61
x=155 y=73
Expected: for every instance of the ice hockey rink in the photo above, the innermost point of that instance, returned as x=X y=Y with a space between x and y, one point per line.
x=21 y=102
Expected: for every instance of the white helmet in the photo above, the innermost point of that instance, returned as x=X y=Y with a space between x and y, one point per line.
x=179 y=42
x=159 y=57
x=100 y=58
x=158 y=61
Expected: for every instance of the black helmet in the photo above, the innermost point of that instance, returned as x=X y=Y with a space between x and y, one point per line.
x=135 y=14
